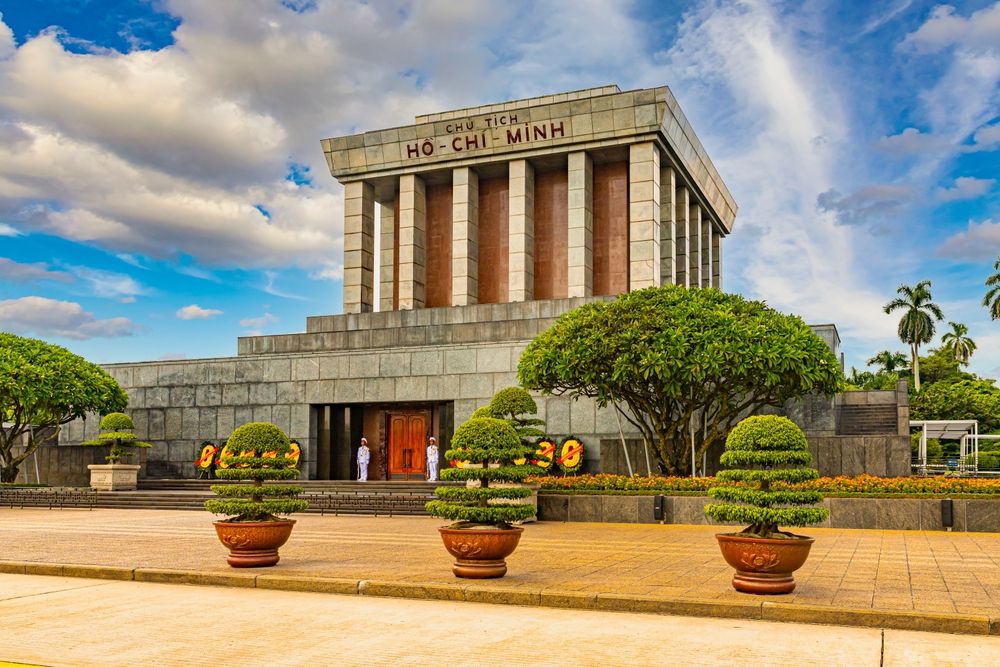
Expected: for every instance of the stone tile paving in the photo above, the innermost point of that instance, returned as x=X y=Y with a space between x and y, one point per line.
x=858 y=569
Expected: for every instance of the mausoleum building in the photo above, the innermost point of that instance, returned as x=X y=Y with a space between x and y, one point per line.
x=465 y=235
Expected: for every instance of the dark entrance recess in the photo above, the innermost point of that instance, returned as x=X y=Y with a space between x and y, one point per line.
x=397 y=437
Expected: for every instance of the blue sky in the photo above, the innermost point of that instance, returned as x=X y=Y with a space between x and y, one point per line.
x=162 y=189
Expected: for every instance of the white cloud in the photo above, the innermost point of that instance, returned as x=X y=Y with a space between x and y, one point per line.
x=196 y=312
x=110 y=285
x=258 y=322
x=966 y=187
x=944 y=28
x=870 y=203
x=25 y=273
x=979 y=241
x=6 y=40
x=41 y=316
x=912 y=141
x=7 y=230
x=328 y=273
x=987 y=138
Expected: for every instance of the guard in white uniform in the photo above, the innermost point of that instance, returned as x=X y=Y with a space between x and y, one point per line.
x=432 y=460
x=364 y=456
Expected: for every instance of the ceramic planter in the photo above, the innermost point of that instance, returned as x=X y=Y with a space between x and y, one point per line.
x=764 y=566
x=253 y=543
x=480 y=552
x=114 y=476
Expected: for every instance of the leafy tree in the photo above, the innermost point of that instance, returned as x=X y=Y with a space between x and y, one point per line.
x=916 y=327
x=257 y=451
x=888 y=362
x=868 y=381
x=765 y=449
x=940 y=365
x=116 y=431
x=678 y=357
x=514 y=405
x=484 y=441
x=962 y=399
x=958 y=343
x=992 y=298
x=43 y=386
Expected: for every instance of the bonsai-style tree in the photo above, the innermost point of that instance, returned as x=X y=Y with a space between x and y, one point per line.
x=765 y=449
x=116 y=430
x=514 y=405
x=679 y=359
x=259 y=452
x=483 y=440
x=43 y=386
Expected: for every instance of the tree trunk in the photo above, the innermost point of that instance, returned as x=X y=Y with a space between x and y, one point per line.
x=8 y=474
x=916 y=368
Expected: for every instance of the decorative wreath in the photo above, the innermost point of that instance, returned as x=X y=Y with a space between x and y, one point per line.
x=545 y=453
x=207 y=456
x=570 y=458
x=224 y=460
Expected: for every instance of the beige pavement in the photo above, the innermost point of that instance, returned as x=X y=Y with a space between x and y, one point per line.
x=64 y=621
x=918 y=573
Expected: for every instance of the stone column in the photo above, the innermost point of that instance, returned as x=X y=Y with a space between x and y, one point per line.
x=707 y=232
x=580 y=240
x=683 y=213
x=412 y=242
x=359 y=247
x=521 y=227
x=717 y=261
x=387 y=256
x=694 y=246
x=464 y=237
x=644 y=215
x=668 y=227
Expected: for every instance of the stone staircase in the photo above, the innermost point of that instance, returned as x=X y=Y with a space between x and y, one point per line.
x=866 y=420
x=325 y=497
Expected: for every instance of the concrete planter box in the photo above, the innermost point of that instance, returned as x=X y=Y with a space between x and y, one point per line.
x=114 y=476
x=982 y=516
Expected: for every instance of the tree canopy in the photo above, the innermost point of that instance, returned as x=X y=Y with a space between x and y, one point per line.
x=992 y=298
x=961 y=399
x=43 y=386
x=916 y=326
x=677 y=358
x=958 y=342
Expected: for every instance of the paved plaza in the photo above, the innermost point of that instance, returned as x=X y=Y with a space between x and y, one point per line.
x=930 y=580
x=72 y=621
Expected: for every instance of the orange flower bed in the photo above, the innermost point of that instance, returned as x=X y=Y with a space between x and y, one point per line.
x=861 y=485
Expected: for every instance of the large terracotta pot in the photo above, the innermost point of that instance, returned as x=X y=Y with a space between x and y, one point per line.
x=480 y=552
x=253 y=543
x=764 y=566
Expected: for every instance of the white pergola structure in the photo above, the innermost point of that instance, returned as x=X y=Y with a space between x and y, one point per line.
x=966 y=431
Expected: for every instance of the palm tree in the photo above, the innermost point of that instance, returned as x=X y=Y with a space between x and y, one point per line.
x=992 y=298
x=956 y=342
x=916 y=327
x=888 y=362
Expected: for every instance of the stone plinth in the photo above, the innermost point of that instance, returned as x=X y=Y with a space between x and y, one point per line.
x=114 y=476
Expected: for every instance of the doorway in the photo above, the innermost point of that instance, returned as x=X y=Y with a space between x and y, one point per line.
x=408 y=432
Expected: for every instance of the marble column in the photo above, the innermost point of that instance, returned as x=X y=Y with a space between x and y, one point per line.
x=412 y=242
x=644 y=215
x=717 y=261
x=465 y=237
x=683 y=213
x=521 y=221
x=668 y=227
x=694 y=246
x=580 y=239
x=387 y=256
x=359 y=247
x=707 y=232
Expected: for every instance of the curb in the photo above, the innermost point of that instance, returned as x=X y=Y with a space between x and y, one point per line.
x=750 y=609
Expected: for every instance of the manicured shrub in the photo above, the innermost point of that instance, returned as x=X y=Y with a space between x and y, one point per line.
x=765 y=449
x=493 y=445
x=116 y=432
x=256 y=452
x=515 y=406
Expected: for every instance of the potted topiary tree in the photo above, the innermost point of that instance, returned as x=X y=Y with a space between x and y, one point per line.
x=256 y=452
x=116 y=432
x=516 y=406
x=482 y=536
x=765 y=450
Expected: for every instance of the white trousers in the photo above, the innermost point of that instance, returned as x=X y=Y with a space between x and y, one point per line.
x=362 y=472
x=432 y=471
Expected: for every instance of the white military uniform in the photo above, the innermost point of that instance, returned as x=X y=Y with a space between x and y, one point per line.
x=432 y=462
x=364 y=456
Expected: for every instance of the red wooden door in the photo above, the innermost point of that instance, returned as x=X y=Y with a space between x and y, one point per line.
x=407 y=444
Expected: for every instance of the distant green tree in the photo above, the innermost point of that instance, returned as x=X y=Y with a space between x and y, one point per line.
x=43 y=386
x=962 y=399
x=940 y=365
x=992 y=298
x=888 y=362
x=868 y=381
x=679 y=359
x=916 y=327
x=958 y=343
